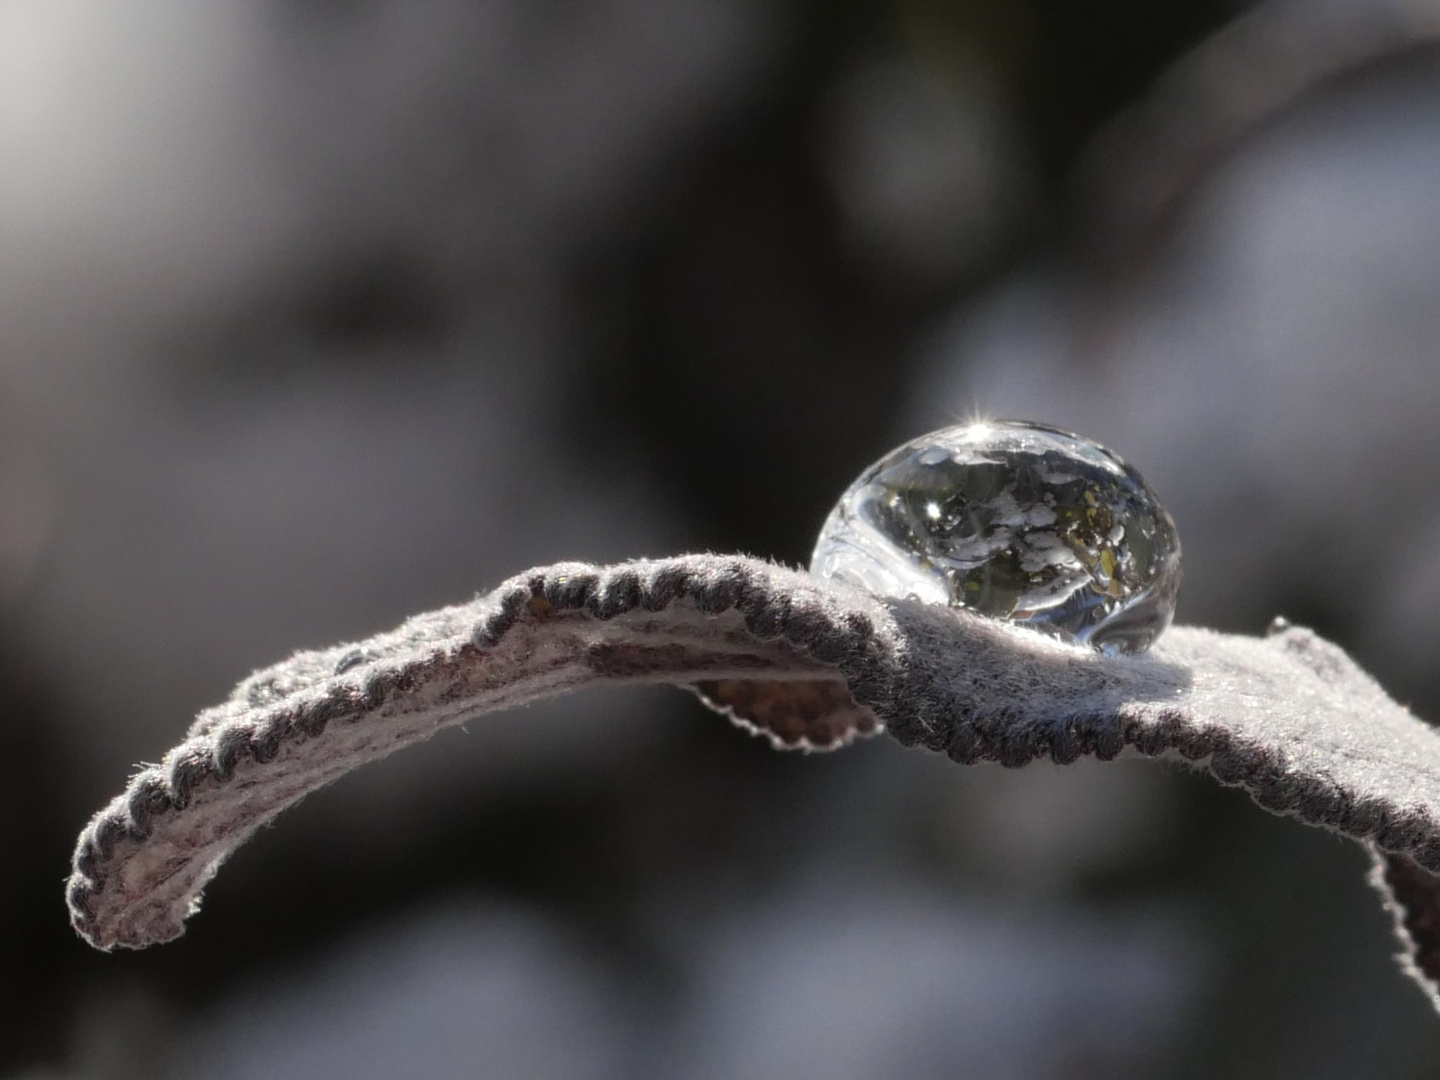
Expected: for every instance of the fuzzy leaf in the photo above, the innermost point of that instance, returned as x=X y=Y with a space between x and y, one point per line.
x=808 y=663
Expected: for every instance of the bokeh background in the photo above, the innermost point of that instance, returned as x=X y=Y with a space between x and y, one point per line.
x=316 y=313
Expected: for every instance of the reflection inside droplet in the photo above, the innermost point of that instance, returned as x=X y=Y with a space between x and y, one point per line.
x=1017 y=521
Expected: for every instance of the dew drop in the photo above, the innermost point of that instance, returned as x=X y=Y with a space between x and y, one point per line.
x=1017 y=521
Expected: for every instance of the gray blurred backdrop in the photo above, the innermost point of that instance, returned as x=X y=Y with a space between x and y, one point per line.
x=316 y=313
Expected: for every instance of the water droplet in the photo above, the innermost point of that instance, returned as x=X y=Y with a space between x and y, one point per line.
x=1017 y=521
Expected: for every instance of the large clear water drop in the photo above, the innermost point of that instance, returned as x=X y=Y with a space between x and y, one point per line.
x=1017 y=521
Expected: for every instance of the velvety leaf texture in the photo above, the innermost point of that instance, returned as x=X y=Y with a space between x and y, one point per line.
x=809 y=664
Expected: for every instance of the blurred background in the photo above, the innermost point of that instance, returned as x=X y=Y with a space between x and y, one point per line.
x=317 y=313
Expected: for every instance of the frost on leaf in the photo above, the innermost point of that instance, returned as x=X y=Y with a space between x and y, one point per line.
x=807 y=663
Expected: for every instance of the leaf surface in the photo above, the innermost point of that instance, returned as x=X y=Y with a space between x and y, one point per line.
x=808 y=663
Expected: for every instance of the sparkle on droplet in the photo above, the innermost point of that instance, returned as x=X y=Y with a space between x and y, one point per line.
x=1014 y=520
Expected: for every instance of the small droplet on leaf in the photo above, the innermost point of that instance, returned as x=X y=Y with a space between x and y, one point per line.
x=1017 y=521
